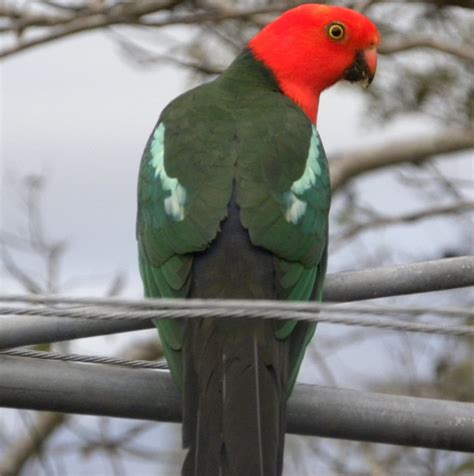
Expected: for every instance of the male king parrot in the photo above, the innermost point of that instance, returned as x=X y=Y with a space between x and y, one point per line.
x=233 y=202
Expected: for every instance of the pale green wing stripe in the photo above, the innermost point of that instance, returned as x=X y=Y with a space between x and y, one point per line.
x=174 y=203
x=293 y=203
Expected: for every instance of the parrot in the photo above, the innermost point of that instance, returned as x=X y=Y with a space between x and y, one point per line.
x=233 y=201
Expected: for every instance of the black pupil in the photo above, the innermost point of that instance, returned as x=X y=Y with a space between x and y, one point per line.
x=336 y=31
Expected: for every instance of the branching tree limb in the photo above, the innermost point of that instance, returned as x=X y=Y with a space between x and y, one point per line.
x=46 y=424
x=345 y=167
x=382 y=221
x=62 y=26
x=20 y=452
x=444 y=3
x=145 y=57
x=397 y=45
x=51 y=253
x=29 y=283
x=218 y=16
x=436 y=3
x=72 y=20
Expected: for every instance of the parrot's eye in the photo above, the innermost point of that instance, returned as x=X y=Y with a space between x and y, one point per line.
x=336 y=31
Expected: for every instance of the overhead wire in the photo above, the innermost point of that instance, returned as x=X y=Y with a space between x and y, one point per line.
x=340 y=314
x=87 y=359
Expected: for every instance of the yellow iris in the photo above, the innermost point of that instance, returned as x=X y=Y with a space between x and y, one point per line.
x=336 y=31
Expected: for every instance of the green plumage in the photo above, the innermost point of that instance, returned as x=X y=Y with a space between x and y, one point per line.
x=233 y=201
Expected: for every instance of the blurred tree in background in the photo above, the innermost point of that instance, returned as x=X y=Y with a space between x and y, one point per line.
x=426 y=75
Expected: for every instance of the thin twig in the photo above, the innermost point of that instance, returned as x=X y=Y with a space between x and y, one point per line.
x=398 y=45
x=22 y=450
x=347 y=166
x=405 y=219
x=122 y=13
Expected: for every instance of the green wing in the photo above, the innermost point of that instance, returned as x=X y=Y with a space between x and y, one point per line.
x=183 y=192
x=307 y=204
x=287 y=205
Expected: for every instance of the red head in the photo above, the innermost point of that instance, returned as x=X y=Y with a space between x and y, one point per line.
x=311 y=47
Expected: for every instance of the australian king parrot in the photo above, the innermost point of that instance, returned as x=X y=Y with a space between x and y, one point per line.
x=233 y=202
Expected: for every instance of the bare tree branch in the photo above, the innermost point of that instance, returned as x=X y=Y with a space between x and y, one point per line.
x=51 y=253
x=437 y=3
x=145 y=57
x=32 y=444
x=376 y=467
x=217 y=16
x=397 y=45
x=73 y=20
x=448 y=3
x=28 y=283
x=346 y=166
x=46 y=424
x=405 y=219
x=202 y=68
x=365 y=5
x=35 y=244
x=68 y=7
x=123 y=12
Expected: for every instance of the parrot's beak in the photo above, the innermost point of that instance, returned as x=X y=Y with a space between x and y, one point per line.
x=363 y=68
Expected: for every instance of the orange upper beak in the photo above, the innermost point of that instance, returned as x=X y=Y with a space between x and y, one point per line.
x=370 y=56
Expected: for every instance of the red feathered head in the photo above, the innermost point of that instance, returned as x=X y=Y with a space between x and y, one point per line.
x=311 y=47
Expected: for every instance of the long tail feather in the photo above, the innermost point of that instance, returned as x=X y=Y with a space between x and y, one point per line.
x=235 y=371
x=258 y=403
x=234 y=419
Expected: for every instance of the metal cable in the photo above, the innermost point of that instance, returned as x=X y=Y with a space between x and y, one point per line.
x=271 y=311
x=224 y=304
x=88 y=359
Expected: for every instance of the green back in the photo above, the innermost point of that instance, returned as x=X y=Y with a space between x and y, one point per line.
x=238 y=134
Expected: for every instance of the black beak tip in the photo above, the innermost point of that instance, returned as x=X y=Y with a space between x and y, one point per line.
x=359 y=71
x=369 y=80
